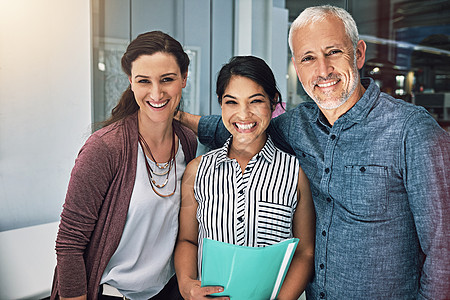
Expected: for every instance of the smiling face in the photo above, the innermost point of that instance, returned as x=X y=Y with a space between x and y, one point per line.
x=157 y=82
x=327 y=64
x=246 y=112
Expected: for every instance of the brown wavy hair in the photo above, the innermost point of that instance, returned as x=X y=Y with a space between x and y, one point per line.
x=145 y=44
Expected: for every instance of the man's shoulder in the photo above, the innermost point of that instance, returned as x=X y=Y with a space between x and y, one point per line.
x=304 y=111
x=307 y=106
x=398 y=107
x=403 y=116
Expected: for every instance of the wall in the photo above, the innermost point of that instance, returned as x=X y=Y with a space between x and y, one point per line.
x=261 y=29
x=45 y=105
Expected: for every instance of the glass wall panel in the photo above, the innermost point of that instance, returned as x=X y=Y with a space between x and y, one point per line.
x=111 y=35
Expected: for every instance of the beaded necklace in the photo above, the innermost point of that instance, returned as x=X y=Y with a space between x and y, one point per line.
x=162 y=166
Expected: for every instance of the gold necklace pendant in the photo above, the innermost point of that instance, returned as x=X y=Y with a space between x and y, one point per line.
x=164 y=166
x=169 y=164
x=161 y=174
x=165 y=169
x=160 y=186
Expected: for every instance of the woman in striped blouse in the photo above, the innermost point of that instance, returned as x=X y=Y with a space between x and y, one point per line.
x=248 y=192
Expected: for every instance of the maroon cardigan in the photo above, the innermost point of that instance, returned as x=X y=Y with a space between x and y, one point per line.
x=96 y=205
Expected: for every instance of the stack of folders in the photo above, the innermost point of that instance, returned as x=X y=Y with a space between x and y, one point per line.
x=246 y=273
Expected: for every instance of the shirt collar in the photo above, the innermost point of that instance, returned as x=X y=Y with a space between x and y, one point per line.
x=267 y=152
x=361 y=109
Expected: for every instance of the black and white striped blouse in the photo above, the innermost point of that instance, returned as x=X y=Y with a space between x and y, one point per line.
x=255 y=208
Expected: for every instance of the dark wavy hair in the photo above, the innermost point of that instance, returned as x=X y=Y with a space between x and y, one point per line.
x=145 y=44
x=253 y=68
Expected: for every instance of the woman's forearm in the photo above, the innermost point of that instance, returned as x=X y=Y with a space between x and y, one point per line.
x=185 y=260
x=298 y=276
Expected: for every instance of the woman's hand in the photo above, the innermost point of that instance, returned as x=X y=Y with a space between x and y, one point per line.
x=194 y=291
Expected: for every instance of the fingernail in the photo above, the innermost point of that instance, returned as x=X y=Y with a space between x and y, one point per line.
x=220 y=289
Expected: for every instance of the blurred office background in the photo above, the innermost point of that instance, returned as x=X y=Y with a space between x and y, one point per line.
x=60 y=73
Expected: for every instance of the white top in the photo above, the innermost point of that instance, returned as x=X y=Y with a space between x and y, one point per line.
x=143 y=261
x=253 y=209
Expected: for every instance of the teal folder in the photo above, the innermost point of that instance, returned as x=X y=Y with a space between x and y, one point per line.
x=246 y=273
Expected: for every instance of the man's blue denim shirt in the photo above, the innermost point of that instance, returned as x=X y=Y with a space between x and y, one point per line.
x=380 y=182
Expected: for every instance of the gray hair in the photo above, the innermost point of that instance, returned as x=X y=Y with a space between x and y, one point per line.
x=318 y=13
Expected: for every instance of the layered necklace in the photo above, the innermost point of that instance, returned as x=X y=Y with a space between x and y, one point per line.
x=164 y=168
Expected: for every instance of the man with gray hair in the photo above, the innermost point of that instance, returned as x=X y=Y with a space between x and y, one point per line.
x=378 y=168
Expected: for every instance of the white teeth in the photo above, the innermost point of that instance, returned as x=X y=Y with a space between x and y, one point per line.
x=158 y=105
x=245 y=126
x=327 y=84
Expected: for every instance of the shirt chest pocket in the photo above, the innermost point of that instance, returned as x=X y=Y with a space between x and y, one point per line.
x=274 y=223
x=366 y=189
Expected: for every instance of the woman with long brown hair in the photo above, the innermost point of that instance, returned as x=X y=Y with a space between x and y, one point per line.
x=120 y=218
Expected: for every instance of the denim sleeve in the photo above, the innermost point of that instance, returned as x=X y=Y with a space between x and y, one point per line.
x=279 y=129
x=211 y=132
x=426 y=165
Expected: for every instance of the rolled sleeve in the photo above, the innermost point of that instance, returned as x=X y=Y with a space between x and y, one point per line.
x=211 y=132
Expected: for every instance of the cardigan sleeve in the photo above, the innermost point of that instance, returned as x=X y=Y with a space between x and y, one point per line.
x=88 y=185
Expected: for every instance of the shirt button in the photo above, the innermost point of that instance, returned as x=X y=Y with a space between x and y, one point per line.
x=247 y=169
x=362 y=169
x=327 y=170
x=241 y=192
x=303 y=154
x=321 y=266
x=324 y=233
x=332 y=137
x=322 y=295
x=328 y=200
x=240 y=219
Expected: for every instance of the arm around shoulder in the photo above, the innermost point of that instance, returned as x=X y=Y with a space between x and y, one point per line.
x=210 y=129
x=189 y=120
